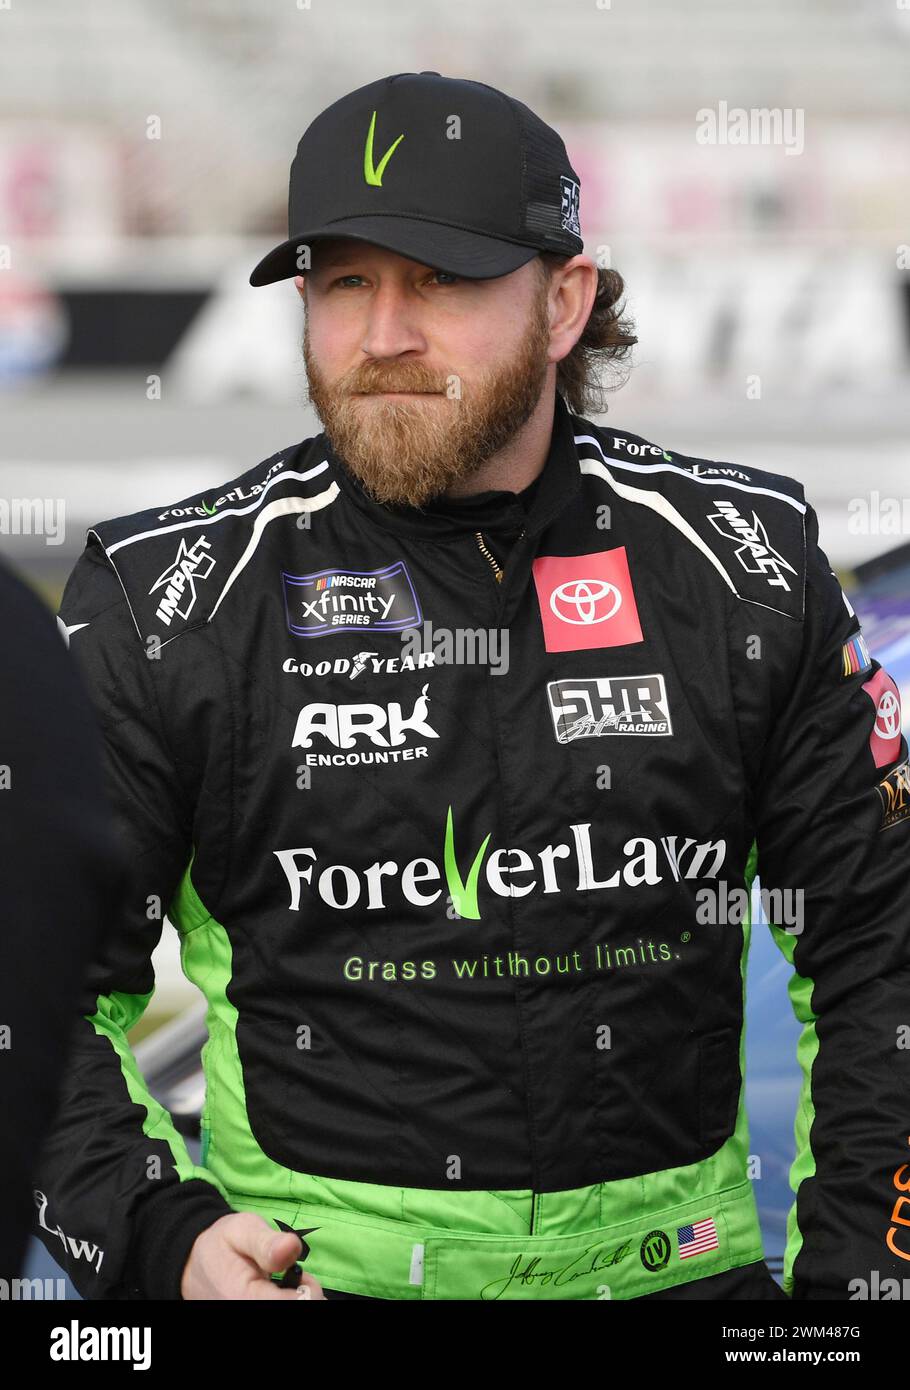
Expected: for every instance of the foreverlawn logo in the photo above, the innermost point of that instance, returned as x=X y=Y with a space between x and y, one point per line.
x=73 y=1247
x=463 y=891
x=371 y=174
x=509 y=873
x=238 y=494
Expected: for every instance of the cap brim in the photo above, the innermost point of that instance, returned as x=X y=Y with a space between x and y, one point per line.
x=451 y=249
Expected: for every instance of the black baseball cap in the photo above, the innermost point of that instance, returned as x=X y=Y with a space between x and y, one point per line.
x=443 y=170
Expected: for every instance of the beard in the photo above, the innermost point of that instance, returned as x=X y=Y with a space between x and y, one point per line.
x=406 y=452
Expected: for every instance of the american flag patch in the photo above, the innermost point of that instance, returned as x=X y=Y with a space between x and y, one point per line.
x=856 y=655
x=695 y=1239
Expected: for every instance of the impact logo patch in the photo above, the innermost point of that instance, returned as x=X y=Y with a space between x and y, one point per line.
x=341 y=600
x=586 y=600
x=191 y=564
x=590 y=708
x=753 y=550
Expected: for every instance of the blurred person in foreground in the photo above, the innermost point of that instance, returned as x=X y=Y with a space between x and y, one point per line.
x=452 y=739
x=59 y=879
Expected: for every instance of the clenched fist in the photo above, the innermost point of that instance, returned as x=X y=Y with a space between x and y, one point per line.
x=234 y=1257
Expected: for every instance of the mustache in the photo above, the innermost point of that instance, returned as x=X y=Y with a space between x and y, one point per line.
x=373 y=380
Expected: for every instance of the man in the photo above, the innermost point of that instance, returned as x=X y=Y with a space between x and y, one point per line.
x=451 y=739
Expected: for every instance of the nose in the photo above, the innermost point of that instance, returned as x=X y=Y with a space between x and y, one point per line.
x=392 y=327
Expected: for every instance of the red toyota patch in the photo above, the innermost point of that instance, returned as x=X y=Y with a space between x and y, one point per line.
x=885 y=739
x=586 y=600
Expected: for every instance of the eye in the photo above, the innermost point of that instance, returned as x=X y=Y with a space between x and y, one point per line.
x=448 y=278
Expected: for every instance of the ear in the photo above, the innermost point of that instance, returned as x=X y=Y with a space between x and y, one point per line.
x=299 y=283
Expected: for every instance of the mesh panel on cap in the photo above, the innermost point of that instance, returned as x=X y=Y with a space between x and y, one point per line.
x=544 y=160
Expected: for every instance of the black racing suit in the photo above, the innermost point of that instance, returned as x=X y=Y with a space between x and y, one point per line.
x=458 y=838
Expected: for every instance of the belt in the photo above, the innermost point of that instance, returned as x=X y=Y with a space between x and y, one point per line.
x=384 y=1258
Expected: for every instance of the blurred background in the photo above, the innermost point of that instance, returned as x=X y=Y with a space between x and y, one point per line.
x=745 y=167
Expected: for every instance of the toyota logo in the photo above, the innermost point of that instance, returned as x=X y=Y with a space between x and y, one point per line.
x=888 y=715
x=591 y=600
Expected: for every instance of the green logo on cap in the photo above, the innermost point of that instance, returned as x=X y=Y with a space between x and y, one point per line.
x=370 y=173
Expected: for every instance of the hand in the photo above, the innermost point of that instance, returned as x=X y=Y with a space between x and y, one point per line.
x=234 y=1257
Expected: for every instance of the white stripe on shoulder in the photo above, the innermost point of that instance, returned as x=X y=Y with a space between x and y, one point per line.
x=231 y=511
x=282 y=506
x=660 y=504
x=692 y=477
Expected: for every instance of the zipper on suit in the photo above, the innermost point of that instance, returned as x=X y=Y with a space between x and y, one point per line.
x=497 y=568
